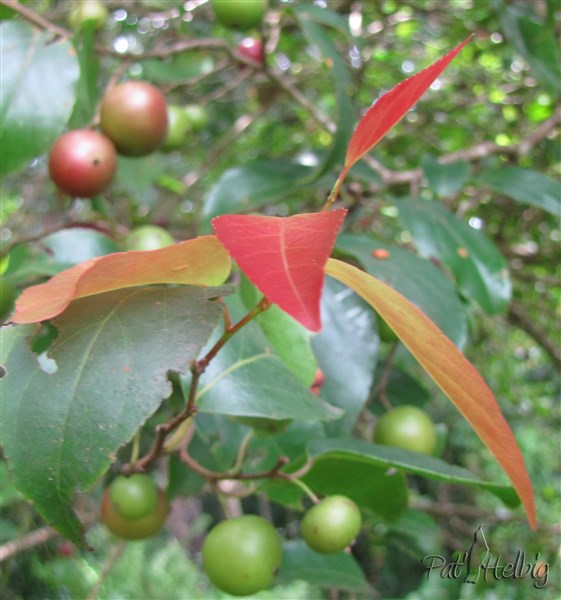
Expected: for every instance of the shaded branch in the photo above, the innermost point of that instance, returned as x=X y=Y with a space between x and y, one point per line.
x=517 y=315
x=36 y=19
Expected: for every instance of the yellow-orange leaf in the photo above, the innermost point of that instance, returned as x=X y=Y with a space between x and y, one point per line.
x=448 y=367
x=202 y=261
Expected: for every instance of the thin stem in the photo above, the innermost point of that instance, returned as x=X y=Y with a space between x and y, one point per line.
x=242 y=452
x=262 y=306
x=335 y=191
x=135 y=452
x=304 y=488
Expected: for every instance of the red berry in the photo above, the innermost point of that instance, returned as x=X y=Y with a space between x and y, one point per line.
x=134 y=116
x=252 y=49
x=82 y=162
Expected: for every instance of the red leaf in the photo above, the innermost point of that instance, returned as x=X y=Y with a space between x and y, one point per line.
x=284 y=256
x=450 y=370
x=201 y=261
x=391 y=108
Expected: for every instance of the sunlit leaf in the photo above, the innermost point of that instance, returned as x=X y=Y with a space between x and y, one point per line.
x=450 y=370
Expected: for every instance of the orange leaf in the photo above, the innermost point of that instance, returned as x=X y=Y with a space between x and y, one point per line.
x=284 y=257
x=201 y=261
x=448 y=367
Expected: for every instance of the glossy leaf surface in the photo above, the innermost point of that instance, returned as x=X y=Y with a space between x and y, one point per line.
x=477 y=265
x=347 y=350
x=387 y=457
x=390 y=108
x=284 y=257
x=108 y=381
x=450 y=370
x=37 y=92
x=201 y=261
x=417 y=279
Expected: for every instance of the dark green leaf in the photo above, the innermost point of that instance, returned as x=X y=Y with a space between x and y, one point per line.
x=525 y=186
x=308 y=19
x=246 y=188
x=37 y=92
x=112 y=357
x=339 y=571
x=385 y=457
x=89 y=90
x=346 y=349
x=417 y=279
x=445 y=180
x=379 y=488
x=474 y=260
x=534 y=41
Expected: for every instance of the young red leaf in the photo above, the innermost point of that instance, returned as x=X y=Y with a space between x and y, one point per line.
x=391 y=108
x=201 y=261
x=284 y=257
x=447 y=366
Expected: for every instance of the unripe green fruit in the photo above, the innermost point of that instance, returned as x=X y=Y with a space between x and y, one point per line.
x=239 y=14
x=197 y=116
x=134 y=529
x=178 y=126
x=82 y=163
x=133 y=497
x=331 y=525
x=148 y=237
x=88 y=13
x=134 y=116
x=242 y=555
x=406 y=427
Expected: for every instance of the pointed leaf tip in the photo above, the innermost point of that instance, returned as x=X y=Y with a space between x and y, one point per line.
x=284 y=257
x=390 y=108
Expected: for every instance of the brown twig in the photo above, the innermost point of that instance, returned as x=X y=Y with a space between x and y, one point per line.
x=198 y=367
x=380 y=388
x=28 y=541
x=36 y=19
x=518 y=316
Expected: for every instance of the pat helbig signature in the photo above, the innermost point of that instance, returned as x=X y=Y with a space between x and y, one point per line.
x=479 y=564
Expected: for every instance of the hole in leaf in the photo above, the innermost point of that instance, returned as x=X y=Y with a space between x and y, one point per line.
x=3 y=371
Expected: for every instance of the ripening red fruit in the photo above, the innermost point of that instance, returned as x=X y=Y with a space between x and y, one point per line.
x=82 y=162
x=252 y=49
x=134 y=116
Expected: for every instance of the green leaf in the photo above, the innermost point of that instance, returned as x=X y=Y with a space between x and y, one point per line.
x=77 y=244
x=308 y=19
x=474 y=260
x=112 y=357
x=535 y=42
x=290 y=340
x=379 y=488
x=88 y=89
x=339 y=571
x=417 y=279
x=37 y=92
x=249 y=187
x=445 y=180
x=347 y=350
x=247 y=379
x=178 y=68
x=386 y=457
x=525 y=186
